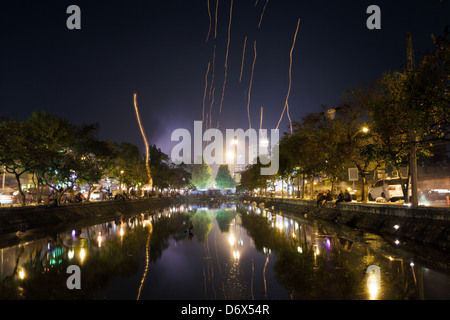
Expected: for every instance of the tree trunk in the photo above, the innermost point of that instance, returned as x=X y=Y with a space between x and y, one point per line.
x=364 y=191
x=413 y=168
x=19 y=184
x=333 y=185
x=303 y=186
x=89 y=193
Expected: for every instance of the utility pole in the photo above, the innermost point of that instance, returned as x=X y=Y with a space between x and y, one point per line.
x=413 y=136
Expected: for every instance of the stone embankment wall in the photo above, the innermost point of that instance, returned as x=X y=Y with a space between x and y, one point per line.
x=35 y=217
x=425 y=225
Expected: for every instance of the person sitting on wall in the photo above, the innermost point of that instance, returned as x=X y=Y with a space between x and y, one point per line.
x=340 y=198
x=347 y=196
x=321 y=199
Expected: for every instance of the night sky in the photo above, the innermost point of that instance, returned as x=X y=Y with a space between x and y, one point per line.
x=158 y=49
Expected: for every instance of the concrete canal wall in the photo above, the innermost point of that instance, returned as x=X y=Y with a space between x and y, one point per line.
x=425 y=225
x=35 y=217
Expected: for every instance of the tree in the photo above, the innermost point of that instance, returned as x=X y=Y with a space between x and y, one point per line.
x=410 y=110
x=128 y=166
x=159 y=167
x=179 y=177
x=17 y=150
x=61 y=149
x=357 y=145
x=201 y=175
x=224 y=180
x=426 y=102
x=96 y=160
x=252 y=179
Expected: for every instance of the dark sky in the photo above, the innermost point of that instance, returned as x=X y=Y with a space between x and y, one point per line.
x=158 y=49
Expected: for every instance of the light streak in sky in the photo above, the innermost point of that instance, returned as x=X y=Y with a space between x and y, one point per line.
x=204 y=95
x=286 y=105
x=262 y=14
x=226 y=56
x=215 y=28
x=210 y=107
x=261 y=120
x=213 y=72
x=210 y=21
x=243 y=57
x=256 y=3
x=147 y=164
x=250 y=88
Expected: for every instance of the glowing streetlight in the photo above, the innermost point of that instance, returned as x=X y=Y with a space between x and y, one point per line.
x=365 y=129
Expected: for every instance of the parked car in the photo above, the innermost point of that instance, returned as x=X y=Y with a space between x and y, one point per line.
x=389 y=189
x=97 y=195
x=7 y=198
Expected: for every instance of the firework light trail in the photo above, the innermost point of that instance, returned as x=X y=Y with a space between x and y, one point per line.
x=243 y=57
x=215 y=27
x=261 y=120
x=145 y=139
x=210 y=107
x=147 y=261
x=250 y=88
x=286 y=105
x=213 y=72
x=204 y=95
x=262 y=14
x=226 y=56
x=210 y=21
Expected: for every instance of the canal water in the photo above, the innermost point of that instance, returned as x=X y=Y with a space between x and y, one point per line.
x=221 y=252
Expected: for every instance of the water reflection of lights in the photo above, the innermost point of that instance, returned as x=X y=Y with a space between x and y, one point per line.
x=146 y=223
x=99 y=239
x=70 y=254
x=373 y=281
x=231 y=239
x=82 y=254
x=316 y=251
x=22 y=274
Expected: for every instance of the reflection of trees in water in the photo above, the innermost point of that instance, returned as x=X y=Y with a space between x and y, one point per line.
x=202 y=222
x=163 y=229
x=306 y=275
x=117 y=257
x=337 y=270
x=224 y=218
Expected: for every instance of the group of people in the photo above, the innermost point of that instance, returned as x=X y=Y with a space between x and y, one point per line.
x=342 y=197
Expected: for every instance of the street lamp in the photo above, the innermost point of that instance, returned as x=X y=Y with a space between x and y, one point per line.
x=365 y=129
